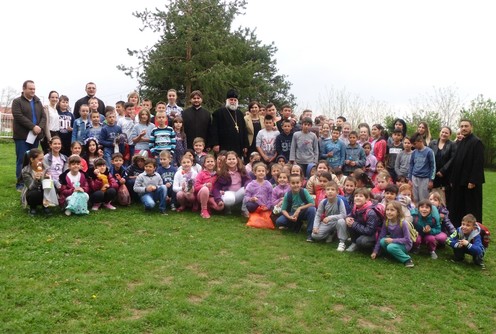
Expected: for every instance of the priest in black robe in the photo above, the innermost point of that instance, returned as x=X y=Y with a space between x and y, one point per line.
x=467 y=176
x=228 y=131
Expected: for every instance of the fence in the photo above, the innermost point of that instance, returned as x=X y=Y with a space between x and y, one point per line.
x=6 y=125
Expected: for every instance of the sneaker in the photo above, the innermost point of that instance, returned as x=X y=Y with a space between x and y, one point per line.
x=283 y=227
x=96 y=206
x=245 y=213
x=433 y=255
x=204 y=214
x=482 y=265
x=341 y=246
x=409 y=264
x=173 y=207
x=109 y=206
x=32 y=212
x=330 y=238
x=309 y=239
x=68 y=212
x=353 y=247
x=47 y=211
x=163 y=213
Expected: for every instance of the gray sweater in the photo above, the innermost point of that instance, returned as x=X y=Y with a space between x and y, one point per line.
x=144 y=180
x=402 y=163
x=304 y=148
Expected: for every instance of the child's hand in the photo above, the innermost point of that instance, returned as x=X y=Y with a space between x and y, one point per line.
x=349 y=221
x=254 y=199
x=315 y=230
x=122 y=180
x=388 y=240
x=105 y=187
x=427 y=229
x=78 y=189
x=168 y=184
x=463 y=243
x=96 y=172
x=373 y=256
x=325 y=220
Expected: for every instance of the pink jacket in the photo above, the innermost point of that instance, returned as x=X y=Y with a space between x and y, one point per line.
x=204 y=177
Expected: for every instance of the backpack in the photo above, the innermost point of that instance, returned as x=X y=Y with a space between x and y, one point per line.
x=379 y=210
x=485 y=235
x=340 y=199
x=290 y=198
x=411 y=230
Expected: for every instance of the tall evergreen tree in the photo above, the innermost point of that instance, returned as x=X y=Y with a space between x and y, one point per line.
x=198 y=49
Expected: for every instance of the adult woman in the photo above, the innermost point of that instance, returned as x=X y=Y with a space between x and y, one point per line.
x=363 y=134
x=378 y=143
x=444 y=151
x=423 y=129
x=52 y=128
x=254 y=123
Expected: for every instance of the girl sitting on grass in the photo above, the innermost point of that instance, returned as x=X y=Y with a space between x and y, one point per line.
x=184 y=185
x=32 y=175
x=437 y=200
x=54 y=161
x=427 y=224
x=394 y=236
x=258 y=192
x=204 y=183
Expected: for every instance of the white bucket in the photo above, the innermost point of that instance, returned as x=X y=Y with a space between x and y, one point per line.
x=47 y=184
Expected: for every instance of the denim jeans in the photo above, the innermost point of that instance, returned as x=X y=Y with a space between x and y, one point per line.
x=149 y=199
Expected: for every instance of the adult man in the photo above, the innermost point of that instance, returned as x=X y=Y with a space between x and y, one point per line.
x=467 y=176
x=90 y=91
x=196 y=119
x=29 y=116
x=228 y=130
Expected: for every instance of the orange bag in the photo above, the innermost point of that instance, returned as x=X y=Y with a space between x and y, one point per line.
x=260 y=219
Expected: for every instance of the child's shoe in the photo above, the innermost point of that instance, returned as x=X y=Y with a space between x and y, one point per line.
x=109 y=206
x=353 y=247
x=245 y=213
x=68 y=212
x=341 y=246
x=409 y=264
x=96 y=206
x=205 y=214
x=163 y=213
x=173 y=207
x=32 y=212
x=433 y=255
x=309 y=238
x=47 y=211
x=181 y=208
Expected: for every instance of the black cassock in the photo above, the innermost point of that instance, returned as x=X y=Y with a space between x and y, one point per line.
x=467 y=167
x=229 y=131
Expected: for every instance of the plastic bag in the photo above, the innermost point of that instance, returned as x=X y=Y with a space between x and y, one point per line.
x=49 y=194
x=260 y=219
x=77 y=203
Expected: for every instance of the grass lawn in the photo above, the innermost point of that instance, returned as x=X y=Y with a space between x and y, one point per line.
x=134 y=272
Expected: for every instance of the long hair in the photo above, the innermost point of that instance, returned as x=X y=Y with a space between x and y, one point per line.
x=224 y=170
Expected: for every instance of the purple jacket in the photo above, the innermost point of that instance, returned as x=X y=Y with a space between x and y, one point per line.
x=278 y=194
x=398 y=232
x=263 y=192
x=223 y=183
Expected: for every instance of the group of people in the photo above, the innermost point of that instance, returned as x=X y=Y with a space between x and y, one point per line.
x=368 y=189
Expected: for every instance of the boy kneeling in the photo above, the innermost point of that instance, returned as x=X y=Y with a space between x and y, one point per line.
x=467 y=240
x=150 y=187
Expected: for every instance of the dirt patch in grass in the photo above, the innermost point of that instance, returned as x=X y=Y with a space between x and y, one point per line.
x=166 y=280
x=138 y=314
x=367 y=324
x=338 y=308
x=133 y=285
x=195 y=268
x=291 y=285
x=197 y=299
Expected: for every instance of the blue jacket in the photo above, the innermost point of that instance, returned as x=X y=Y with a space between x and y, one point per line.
x=339 y=152
x=474 y=247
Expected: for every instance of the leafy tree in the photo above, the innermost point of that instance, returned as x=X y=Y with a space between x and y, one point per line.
x=482 y=114
x=198 y=50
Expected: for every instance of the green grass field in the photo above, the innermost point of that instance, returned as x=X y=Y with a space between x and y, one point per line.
x=134 y=272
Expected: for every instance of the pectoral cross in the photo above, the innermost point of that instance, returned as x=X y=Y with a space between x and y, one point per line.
x=237 y=128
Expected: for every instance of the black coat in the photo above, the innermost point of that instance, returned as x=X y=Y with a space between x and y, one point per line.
x=224 y=133
x=444 y=159
x=468 y=162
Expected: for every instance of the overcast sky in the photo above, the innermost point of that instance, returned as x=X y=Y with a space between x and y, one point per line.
x=391 y=51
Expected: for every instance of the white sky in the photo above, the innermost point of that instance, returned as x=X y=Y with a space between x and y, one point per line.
x=391 y=51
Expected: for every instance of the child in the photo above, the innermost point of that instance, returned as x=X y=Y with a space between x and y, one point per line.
x=402 y=162
x=199 y=154
x=355 y=155
x=80 y=124
x=119 y=109
x=55 y=162
x=142 y=131
x=284 y=139
x=103 y=187
x=134 y=99
x=275 y=170
x=229 y=189
x=254 y=158
x=191 y=154
x=394 y=237
x=393 y=149
x=127 y=126
x=173 y=110
x=313 y=185
x=167 y=172
x=349 y=190
x=345 y=133
x=330 y=216
x=204 y=183
x=279 y=191
x=258 y=193
x=406 y=191
x=184 y=185
x=94 y=129
x=363 y=222
x=296 y=169
x=162 y=137
x=370 y=160
x=467 y=240
x=149 y=186
x=32 y=175
x=362 y=179
x=382 y=180
x=379 y=168
x=340 y=179
x=108 y=136
x=297 y=206
x=266 y=140
x=117 y=169
x=94 y=104
x=391 y=194
x=181 y=140
x=92 y=151
x=401 y=180
x=76 y=149
x=66 y=120
x=304 y=146
x=422 y=168
x=437 y=200
x=137 y=167
x=73 y=181
x=334 y=150
x=379 y=143
x=426 y=222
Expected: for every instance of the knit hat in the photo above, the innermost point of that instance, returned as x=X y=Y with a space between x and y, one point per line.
x=232 y=94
